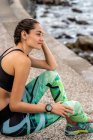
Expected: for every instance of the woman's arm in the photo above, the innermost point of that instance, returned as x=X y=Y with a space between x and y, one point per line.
x=49 y=63
x=22 y=68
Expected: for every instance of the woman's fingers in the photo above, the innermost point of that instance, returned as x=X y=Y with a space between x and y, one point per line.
x=61 y=109
x=69 y=111
x=67 y=107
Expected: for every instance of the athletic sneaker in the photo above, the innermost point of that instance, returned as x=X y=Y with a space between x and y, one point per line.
x=71 y=130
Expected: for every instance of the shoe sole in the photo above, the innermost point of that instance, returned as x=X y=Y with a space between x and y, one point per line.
x=69 y=133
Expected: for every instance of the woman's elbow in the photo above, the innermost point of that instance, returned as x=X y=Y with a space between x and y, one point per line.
x=53 y=67
x=12 y=107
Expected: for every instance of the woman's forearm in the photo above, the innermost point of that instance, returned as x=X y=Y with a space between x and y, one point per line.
x=27 y=108
x=49 y=56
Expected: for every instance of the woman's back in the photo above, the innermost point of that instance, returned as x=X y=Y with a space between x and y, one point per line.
x=6 y=75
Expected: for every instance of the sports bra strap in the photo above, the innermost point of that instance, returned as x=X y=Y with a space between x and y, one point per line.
x=5 y=51
x=9 y=52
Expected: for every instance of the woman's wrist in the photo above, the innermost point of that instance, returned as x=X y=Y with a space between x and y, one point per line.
x=42 y=107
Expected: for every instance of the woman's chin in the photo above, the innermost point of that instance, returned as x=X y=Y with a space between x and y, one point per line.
x=39 y=47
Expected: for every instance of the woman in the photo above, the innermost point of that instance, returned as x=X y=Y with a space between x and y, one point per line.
x=21 y=113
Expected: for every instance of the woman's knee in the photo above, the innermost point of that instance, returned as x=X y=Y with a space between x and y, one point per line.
x=75 y=105
x=51 y=74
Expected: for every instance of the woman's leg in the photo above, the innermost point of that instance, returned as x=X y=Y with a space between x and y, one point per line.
x=59 y=94
x=52 y=80
x=22 y=124
x=37 y=87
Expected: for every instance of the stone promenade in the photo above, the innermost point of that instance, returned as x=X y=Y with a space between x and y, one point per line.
x=76 y=73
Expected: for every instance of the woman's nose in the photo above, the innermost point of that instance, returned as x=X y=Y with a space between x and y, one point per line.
x=41 y=38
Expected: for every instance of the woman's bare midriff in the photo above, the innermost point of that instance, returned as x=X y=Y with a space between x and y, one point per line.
x=4 y=98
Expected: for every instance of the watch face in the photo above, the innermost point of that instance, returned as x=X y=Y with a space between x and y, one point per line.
x=48 y=108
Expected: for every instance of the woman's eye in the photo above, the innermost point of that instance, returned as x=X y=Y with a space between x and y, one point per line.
x=38 y=34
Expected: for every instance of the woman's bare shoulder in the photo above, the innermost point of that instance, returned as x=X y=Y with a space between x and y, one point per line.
x=21 y=59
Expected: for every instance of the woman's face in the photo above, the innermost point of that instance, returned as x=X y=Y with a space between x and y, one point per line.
x=36 y=37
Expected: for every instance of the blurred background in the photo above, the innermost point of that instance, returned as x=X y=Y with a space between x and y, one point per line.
x=68 y=21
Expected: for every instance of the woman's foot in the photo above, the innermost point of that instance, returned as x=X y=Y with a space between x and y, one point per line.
x=72 y=130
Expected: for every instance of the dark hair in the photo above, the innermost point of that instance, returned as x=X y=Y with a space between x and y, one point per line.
x=24 y=25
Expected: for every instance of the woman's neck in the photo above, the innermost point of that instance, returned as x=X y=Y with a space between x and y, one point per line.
x=24 y=48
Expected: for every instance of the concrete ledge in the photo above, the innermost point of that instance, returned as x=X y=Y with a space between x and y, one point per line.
x=18 y=10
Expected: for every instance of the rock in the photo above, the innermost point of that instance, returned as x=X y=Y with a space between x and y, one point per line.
x=57 y=2
x=80 y=22
x=46 y=12
x=83 y=47
x=72 y=19
x=77 y=50
x=55 y=26
x=65 y=21
x=91 y=33
x=79 y=34
x=70 y=45
x=66 y=3
x=58 y=37
x=44 y=15
x=67 y=36
x=76 y=10
x=84 y=42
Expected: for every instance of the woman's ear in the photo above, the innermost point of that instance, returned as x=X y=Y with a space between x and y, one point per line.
x=23 y=35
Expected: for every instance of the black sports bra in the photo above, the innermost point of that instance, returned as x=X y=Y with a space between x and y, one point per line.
x=6 y=80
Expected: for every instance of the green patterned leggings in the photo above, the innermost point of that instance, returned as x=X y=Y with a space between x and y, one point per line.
x=21 y=124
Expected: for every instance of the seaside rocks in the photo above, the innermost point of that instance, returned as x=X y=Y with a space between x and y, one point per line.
x=55 y=2
x=80 y=22
x=83 y=47
x=76 y=10
x=82 y=42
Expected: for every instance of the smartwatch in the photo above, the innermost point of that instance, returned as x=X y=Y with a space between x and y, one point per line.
x=48 y=107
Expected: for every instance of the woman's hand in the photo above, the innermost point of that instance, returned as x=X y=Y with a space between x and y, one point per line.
x=43 y=44
x=60 y=109
x=49 y=57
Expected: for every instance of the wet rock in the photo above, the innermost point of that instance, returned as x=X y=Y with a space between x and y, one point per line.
x=43 y=15
x=77 y=50
x=65 y=21
x=80 y=22
x=46 y=12
x=76 y=10
x=72 y=19
x=82 y=48
x=55 y=26
x=70 y=45
x=91 y=33
x=58 y=36
x=55 y=2
x=87 y=56
x=65 y=35
x=84 y=42
x=79 y=34
x=45 y=1
x=84 y=55
x=66 y=3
